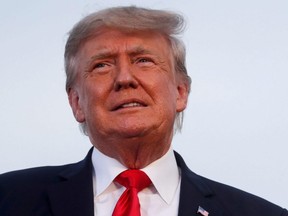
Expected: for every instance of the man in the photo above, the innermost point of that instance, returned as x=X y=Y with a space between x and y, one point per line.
x=127 y=86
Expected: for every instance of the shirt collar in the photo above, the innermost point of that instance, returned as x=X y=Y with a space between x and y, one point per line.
x=165 y=182
x=105 y=171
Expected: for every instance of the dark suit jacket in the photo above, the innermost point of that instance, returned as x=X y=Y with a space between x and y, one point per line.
x=67 y=191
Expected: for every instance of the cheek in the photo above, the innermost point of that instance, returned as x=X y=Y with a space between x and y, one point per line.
x=168 y=96
x=87 y=100
x=96 y=89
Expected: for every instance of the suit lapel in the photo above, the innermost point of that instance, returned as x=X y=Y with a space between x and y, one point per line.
x=73 y=195
x=194 y=192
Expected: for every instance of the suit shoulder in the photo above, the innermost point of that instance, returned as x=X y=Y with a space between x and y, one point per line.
x=246 y=203
x=223 y=197
x=30 y=175
x=32 y=179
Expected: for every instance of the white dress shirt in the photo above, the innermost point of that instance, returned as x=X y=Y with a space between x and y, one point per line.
x=161 y=198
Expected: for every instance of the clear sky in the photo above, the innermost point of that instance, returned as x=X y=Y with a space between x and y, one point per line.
x=236 y=126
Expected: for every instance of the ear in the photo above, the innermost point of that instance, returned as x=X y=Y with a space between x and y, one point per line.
x=75 y=105
x=182 y=96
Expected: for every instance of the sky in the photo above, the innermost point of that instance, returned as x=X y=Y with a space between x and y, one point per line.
x=236 y=124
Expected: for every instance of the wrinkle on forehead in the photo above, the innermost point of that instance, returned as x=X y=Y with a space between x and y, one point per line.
x=134 y=43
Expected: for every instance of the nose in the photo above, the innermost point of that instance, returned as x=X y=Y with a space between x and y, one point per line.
x=125 y=78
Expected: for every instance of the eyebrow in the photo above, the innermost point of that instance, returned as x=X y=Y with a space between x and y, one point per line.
x=139 y=50
x=101 y=55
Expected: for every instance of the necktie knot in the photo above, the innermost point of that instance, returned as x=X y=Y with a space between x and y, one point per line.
x=133 y=179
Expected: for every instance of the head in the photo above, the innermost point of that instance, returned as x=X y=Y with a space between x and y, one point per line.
x=127 y=81
x=129 y=19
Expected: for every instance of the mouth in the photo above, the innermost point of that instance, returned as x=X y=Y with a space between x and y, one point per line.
x=132 y=104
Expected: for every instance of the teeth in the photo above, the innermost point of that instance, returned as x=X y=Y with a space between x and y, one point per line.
x=134 y=104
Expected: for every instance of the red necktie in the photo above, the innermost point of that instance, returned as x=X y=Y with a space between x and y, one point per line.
x=134 y=181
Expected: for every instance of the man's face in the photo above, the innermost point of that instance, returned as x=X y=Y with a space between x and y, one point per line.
x=126 y=86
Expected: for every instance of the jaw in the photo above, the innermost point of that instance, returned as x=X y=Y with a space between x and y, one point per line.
x=135 y=147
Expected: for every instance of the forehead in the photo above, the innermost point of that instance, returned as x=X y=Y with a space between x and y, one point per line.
x=118 y=40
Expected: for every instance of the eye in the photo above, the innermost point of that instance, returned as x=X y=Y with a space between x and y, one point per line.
x=100 y=65
x=144 y=61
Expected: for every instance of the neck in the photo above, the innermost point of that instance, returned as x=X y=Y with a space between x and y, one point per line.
x=135 y=153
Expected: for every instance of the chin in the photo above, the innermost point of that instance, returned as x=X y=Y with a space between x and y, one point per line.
x=132 y=133
x=134 y=130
